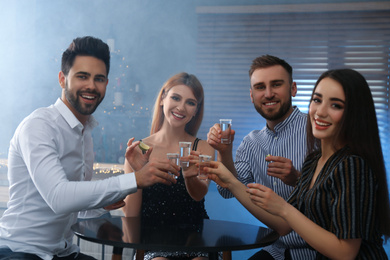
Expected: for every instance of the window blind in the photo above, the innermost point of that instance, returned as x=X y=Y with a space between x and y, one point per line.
x=311 y=42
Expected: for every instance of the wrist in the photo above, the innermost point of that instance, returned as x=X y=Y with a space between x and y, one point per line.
x=233 y=183
x=286 y=211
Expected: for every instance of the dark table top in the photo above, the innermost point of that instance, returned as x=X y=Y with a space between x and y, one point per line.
x=207 y=236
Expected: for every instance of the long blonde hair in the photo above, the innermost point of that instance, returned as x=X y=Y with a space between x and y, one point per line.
x=194 y=84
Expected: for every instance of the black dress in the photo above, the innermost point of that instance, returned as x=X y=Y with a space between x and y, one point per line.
x=165 y=205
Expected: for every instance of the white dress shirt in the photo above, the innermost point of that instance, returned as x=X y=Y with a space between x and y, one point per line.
x=50 y=164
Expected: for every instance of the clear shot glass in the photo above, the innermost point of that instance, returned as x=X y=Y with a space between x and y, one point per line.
x=174 y=158
x=204 y=161
x=226 y=126
x=185 y=150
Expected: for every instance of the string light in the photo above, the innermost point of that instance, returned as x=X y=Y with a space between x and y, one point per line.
x=98 y=168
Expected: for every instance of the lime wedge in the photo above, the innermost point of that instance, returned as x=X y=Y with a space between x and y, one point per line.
x=144 y=147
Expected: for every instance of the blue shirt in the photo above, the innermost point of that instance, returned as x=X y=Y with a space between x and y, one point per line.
x=287 y=140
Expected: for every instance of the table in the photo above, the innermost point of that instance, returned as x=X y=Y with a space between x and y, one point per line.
x=210 y=236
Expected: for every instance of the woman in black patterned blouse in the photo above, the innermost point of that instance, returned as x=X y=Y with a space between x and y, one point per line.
x=340 y=205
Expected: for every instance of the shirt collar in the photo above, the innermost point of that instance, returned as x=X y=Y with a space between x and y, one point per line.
x=282 y=125
x=71 y=119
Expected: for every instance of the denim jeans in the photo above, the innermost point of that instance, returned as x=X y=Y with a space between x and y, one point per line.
x=7 y=254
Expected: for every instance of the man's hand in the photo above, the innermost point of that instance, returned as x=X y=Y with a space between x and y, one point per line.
x=156 y=172
x=116 y=205
x=134 y=155
x=214 y=139
x=283 y=169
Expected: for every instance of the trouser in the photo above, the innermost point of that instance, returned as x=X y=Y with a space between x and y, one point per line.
x=7 y=254
x=264 y=255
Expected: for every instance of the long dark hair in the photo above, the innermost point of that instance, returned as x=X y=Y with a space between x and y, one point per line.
x=358 y=130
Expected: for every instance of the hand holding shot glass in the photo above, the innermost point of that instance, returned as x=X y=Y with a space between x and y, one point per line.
x=185 y=150
x=173 y=158
x=226 y=126
x=204 y=161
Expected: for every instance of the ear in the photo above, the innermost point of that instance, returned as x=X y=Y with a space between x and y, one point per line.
x=294 y=89
x=251 y=95
x=61 y=79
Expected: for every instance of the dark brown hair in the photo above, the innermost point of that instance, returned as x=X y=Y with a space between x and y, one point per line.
x=267 y=61
x=358 y=130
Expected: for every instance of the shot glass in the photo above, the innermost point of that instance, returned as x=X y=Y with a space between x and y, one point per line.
x=174 y=158
x=185 y=150
x=204 y=161
x=226 y=125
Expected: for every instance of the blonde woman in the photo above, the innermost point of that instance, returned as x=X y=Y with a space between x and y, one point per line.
x=178 y=114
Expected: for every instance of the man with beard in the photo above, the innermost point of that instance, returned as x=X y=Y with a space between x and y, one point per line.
x=274 y=155
x=50 y=164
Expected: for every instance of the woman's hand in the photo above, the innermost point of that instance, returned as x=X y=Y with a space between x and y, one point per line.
x=266 y=199
x=134 y=156
x=192 y=170
x=220 y=174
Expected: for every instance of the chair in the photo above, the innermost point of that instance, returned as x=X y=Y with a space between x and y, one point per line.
x=117 y=255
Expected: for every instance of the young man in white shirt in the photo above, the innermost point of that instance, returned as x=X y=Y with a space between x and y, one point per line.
x=50 y=164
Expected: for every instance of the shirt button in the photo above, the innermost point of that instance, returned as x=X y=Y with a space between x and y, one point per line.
x=274 y=183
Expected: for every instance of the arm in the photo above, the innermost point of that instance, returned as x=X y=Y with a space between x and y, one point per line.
x=223 y=177
x=50 y=162
x=224 y=150
x=147 y=173
x=317 y=237
x=133 y=201
x=197 y=188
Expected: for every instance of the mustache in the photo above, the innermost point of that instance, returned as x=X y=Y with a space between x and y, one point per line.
x=93 y=92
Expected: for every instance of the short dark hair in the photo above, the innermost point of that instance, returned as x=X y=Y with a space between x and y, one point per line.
x=85 y=46
x=267 y=61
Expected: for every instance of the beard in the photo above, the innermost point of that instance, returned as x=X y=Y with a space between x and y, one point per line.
x=82 y=108
x=276 y=115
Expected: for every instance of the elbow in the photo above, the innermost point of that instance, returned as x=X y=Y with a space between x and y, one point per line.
x=59 y=210
x=282 y=231
x=197 y=197
x=59 y=205
x=344 y=257
x=56 y=207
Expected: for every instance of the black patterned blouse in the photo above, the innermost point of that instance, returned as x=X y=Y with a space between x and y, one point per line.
x=342 y=200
